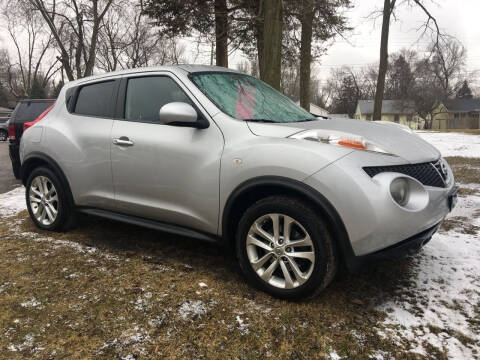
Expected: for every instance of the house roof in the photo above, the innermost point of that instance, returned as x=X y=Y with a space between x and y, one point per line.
x=388 y=107
x=463 y=105
x=315 y=109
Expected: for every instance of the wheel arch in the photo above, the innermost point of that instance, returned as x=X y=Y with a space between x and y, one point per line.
x=37 y=159
x=255 y=189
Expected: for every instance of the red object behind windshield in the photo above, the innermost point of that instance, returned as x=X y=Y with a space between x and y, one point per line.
x=245 y=102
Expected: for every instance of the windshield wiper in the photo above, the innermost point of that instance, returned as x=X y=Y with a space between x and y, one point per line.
x=305 y=120
x=261 y=120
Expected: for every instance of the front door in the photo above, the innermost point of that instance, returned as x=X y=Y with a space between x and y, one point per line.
x=164 y=172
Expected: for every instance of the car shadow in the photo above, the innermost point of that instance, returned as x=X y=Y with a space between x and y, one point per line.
x=366 y=289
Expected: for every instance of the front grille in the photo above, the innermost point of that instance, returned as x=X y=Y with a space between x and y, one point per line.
x=429 y=174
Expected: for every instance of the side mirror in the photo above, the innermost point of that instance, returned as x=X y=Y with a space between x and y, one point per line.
x=178 y=112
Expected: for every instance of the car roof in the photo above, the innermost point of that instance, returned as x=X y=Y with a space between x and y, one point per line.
x=183 y=68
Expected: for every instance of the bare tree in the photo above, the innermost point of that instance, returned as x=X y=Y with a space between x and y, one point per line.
x=129 y=40
x=75 y=26
x=426 y=92
x=388 y=11
x=32 y=43
x=448 y=61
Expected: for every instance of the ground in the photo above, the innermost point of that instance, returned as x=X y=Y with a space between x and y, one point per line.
x=109 y=290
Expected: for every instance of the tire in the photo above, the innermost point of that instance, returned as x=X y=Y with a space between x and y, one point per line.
x=3 y=135
x=298 y=277
x=40 y=201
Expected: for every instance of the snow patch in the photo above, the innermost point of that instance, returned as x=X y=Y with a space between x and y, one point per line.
x=242 y=326
x=191 y=310
x=32 y=303
x=12 y=202
x=453 y=144
x=445 y=292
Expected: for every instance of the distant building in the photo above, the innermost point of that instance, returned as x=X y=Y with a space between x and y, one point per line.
x=457 y=114
x=316 y=110
x=398 y=111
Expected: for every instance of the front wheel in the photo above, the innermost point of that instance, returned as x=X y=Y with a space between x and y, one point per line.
x=285 y=249
x=47 y=200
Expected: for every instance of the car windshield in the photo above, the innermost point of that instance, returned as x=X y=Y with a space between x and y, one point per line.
x=247 y=98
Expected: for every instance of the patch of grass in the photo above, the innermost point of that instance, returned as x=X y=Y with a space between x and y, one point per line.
x=466 y=170
x=460 y=224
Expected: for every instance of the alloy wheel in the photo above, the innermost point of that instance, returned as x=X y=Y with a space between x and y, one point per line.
x=43 y=199
x=280 y=251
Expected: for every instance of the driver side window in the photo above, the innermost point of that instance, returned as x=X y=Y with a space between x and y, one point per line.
x=146 y=95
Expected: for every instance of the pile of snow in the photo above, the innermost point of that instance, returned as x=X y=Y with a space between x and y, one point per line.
x=192 y=309
x=445 y=294
x=453 y=144
x=12 y=202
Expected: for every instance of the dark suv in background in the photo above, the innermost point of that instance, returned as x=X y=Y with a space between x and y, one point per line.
x=4 y=116
x=25 y=112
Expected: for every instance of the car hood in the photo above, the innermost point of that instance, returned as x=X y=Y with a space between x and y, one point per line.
x=394 y=139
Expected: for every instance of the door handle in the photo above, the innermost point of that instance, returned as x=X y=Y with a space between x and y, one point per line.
x=123 y=141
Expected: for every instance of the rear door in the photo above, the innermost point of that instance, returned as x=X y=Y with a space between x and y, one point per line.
x=164 y=172
x=82 y=142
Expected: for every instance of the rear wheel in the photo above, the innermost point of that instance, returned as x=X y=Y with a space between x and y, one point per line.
x=284 y=248
x=3 y=135
x=47 y=200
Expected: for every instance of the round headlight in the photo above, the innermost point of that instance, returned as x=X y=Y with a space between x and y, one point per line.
x=400 y=190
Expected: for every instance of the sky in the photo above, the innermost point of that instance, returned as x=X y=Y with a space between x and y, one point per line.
x=458 y=18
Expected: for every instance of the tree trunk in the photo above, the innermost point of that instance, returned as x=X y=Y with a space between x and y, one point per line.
x=382 y=70
x=306 y=53
x=259 y=8
x=260 y=47
x=272 y=35
x=221 y=33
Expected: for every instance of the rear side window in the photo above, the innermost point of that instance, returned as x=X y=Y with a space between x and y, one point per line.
x=28 y=111
x=146 y=95
x=95 y=99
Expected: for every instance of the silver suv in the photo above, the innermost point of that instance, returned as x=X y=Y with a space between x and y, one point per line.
x=218 y=155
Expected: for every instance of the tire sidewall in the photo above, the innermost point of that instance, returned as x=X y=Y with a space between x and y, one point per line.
x=312 y=223
x=62 y=199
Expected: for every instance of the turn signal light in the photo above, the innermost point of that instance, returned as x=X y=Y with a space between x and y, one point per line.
x=354 y=144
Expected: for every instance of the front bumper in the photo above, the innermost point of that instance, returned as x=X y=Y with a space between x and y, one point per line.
x=372 y=220
x=400 y=250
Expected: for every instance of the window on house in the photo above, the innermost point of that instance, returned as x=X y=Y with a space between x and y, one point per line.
x=456 y=115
